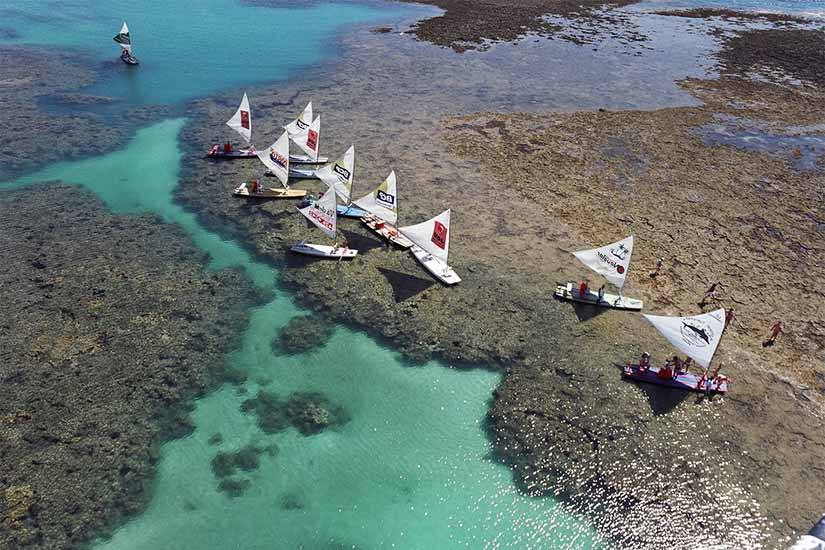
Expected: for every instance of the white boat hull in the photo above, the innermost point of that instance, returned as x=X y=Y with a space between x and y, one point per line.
x=269 y=193
x=305 y=159
x=571 y=292
x=439 y=269
x=325 y=251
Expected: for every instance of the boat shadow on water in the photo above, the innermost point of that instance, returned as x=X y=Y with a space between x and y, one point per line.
x=405 y=286
x=585 y=312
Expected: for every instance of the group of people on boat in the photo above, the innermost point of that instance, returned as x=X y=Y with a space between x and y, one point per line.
x=675 y=366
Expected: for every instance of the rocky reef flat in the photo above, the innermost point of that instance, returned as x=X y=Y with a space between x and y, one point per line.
x=110 y=328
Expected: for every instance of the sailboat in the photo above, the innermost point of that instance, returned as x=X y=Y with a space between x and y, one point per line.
x=323 y=214
x=296 y=130
x=382 y=212
x=125 y=40
x=338 y=176
x=612 y=262
x=276 y=159
x=241 y=122
x=308 y=141
x=697 y=337
x=431 y=246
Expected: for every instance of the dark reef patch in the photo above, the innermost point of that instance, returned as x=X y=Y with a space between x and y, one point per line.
x=734 y=15
x=98 y=332
x=777 y=54
x=302 y=334
x=309 y=412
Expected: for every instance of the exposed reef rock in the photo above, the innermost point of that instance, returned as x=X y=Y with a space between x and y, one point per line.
x=109 y=327
x=302 y=334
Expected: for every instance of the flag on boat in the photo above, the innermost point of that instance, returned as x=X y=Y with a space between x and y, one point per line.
x=308 y=139
x=383 y=201
x=123 y=38
x=241 y=121
x=696 y=336
x=323 y=213
x=301 y=123
x=338 y=175
x=611 y=261
x=276 y=158
x=432 y=235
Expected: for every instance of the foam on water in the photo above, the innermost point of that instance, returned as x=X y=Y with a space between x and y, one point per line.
x=410 y=469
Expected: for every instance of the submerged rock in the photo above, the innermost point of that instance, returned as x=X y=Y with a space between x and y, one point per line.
x=309 y=412
x=302 y=334
x=234 y=487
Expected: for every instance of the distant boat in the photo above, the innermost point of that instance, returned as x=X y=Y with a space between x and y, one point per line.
x=382 y=207
x=431 y=246
x=323 y=214
x=299 y=131
x=124 y=39
x=612 y=262
x=697 y=337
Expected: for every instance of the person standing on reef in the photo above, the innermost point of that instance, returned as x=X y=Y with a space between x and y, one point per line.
x=601 y=294
x=776 y=330
x=711 y=293
x=728 y=317
x=655 y=272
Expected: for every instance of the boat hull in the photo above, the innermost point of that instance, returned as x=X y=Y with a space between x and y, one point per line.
x=325 y=251
x=269 y=193
x=302 y=173
x=386 y=231
x=682 y=381
x=304 y=159
x=436 y=267
x=570 y=292
x=231 y=155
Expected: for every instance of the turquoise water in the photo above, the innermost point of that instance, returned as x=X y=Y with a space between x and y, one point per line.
x=209 y=46
x=410 y=469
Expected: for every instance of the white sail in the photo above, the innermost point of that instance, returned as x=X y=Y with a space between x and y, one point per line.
x=301 y=123
x=309 y=139
x=323 y=213
x=432 y=235
x=696 y=336
x=241 y=121
x=338 y=175
x=383 y=201
x=611 y=261
x=276 y=158
x=123 y=38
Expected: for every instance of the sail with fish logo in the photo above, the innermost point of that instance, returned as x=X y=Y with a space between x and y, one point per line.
x=301 y=123
x=383 y=201
x=323 y=214
x=241 y=121
x=697 y=336
x=611 y=261
x=338 y=175
x=308 y=140
x=276 y=158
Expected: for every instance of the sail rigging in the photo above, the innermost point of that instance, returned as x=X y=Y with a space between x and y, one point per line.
x=433 y=235
x=124 y=38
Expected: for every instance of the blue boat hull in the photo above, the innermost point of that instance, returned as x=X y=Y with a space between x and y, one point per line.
x=351 y=211
x=683 y=381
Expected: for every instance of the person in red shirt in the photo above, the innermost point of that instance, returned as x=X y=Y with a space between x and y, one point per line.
x=582 y=289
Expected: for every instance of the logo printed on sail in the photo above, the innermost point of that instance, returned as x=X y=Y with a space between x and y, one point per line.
x=341 y=172
x=322 y=216
x=621 y=252
x=312 y=140
x=385 y=199
x=301 y=124
x=696 y=333
x=611 y=262
x=278 y=159
x=439 y=237
x=245 y=119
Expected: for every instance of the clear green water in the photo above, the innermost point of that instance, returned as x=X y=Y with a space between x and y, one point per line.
x=409 y=470
x=204 y=47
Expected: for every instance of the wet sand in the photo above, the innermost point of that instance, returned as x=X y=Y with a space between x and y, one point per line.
x=107 y=339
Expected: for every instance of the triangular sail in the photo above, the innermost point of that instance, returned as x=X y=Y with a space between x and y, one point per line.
x=241 y=121
x=611 y=261
x=276 y=158
x=432 y=235
x=123 y=38
x=301 y=123
x=338 y=175
x=383 y=201
x=323 y=213
x=309 y=139
x=696 y=336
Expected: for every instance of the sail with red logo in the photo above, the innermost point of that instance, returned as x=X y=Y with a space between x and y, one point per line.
x=241 y=121
x=431 y=246
x=301 y=123
x=612 y=262
x=308 y=140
